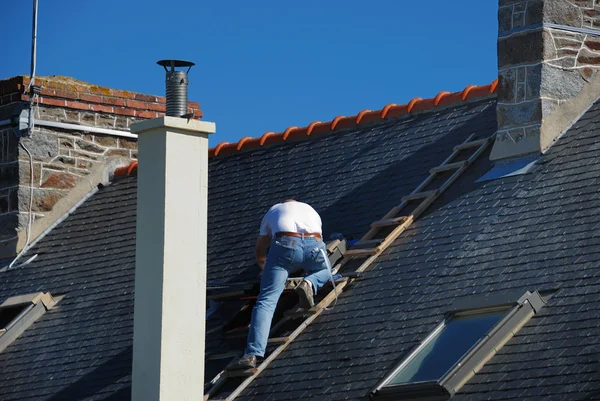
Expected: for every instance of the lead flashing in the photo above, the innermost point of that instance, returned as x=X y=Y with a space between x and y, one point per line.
x=479 y=302
x=508 y=168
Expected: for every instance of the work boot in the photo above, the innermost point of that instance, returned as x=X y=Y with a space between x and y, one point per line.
x=244 y=363
x=305 y=293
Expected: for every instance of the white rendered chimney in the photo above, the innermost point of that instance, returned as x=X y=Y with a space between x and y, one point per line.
x=170 y=271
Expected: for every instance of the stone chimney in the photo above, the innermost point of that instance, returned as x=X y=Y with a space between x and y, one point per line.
x=170 y=271
x=548 y=60
x=81 y=135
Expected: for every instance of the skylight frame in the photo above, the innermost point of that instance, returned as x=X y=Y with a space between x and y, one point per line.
x=519 y=311
x=36 y=305
x=27 y=308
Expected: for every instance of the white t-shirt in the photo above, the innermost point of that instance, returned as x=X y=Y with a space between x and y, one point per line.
x=296 y=217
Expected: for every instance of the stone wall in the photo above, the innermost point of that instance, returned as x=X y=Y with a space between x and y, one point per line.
x=9 y=185
x=543 y=63
x=67 y=162
x=62 y=157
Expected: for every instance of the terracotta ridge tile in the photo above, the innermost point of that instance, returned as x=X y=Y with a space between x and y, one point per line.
x=392 y=110
x=127 y=170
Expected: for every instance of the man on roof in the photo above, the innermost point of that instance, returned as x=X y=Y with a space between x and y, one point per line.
x=290 y=239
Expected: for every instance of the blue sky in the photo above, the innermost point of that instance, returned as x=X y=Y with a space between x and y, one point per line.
x=263 y=65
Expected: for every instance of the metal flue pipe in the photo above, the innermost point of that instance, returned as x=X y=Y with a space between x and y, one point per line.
x=176 y=86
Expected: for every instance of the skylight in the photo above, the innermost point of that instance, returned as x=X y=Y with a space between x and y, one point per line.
x=472 y=332
x=447 y=344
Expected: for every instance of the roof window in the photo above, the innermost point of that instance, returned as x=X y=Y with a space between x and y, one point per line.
x=11 y=314
x=18 y=313
x=473 y=330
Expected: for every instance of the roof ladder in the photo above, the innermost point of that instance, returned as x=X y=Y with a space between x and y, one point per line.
x=382 y=233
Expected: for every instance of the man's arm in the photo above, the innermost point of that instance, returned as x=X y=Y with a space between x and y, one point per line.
x=262 y=246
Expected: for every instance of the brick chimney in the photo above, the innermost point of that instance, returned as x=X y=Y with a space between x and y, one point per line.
x=548 y=60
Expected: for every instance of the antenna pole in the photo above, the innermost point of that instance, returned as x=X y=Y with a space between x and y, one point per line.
x=34 y=43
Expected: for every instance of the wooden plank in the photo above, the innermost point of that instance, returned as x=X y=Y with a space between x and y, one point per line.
x=420 y=195
x=424 y=205
x=449 y=166
x=277 y=340
x=472 y=144
x=366 y=264
x=239 y=373
x=482 y=148
x=394 y=234
x=391 y=214
x=389 y=222
x=366 y=243
x=328 y=299
x=361 y=252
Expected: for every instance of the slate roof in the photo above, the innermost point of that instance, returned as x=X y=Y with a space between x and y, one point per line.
x=533 y=232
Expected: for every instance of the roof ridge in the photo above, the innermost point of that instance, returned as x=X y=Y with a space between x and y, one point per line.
x=365 y=116
x=126 y=170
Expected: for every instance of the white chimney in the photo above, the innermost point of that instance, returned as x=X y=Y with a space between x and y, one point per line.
x=170 y=271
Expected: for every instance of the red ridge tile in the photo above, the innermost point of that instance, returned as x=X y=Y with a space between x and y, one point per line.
x=127 y=170
x=363 y=117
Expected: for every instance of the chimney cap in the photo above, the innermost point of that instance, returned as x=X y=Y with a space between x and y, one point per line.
x=175 y=63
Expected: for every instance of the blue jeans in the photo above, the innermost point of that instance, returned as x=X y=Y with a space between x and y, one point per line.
x=286 y=255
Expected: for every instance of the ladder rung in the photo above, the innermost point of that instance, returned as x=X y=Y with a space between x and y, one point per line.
x=420 y=195
x=449 y=166
x=366 y=243
x=472 y=144
x=361 y=252
x=277 y=340
x=389 y=222
x=238 y=373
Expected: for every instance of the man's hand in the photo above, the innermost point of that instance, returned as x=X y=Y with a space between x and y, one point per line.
x=260 y=252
